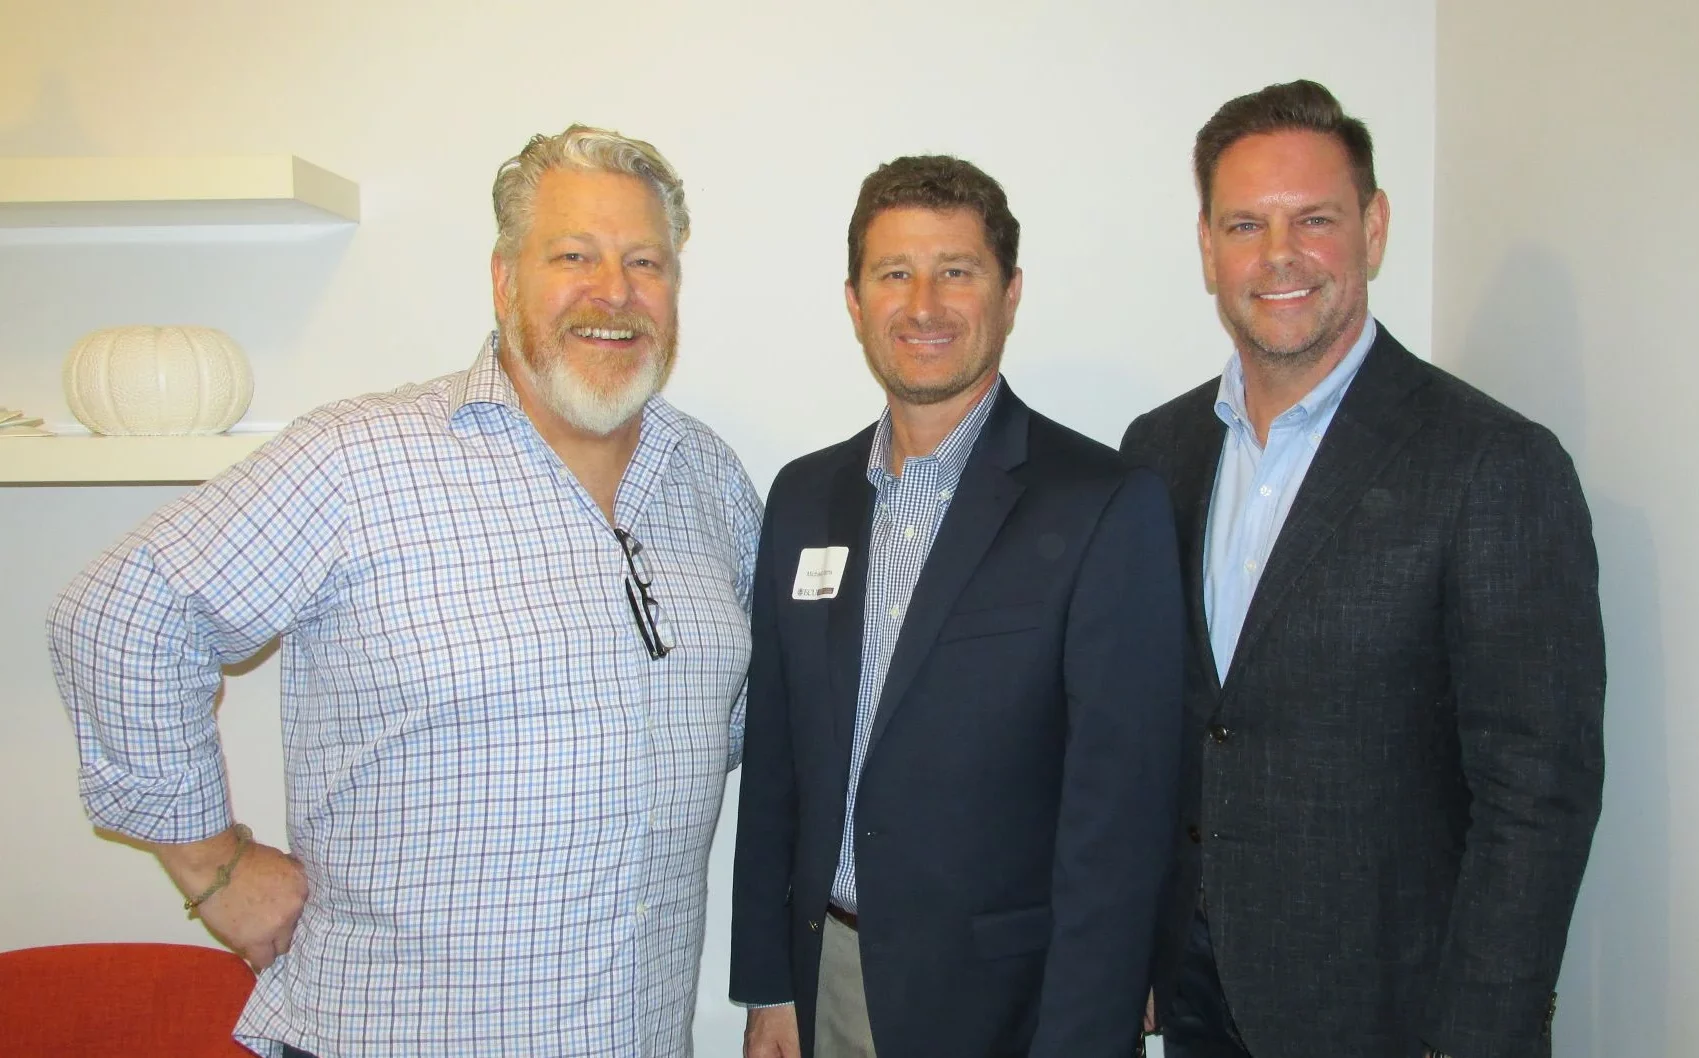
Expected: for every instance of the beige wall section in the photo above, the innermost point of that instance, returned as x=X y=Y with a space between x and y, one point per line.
x=1567 y=159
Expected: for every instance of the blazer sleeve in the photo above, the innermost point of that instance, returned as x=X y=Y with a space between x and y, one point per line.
x=767 y=807
x=1122 y=676
x=1526 y=649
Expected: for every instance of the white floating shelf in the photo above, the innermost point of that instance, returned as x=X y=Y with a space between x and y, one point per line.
x=120 y=192
x=79 y=460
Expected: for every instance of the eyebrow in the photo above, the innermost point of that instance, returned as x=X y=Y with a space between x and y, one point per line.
x=659 y=246
x=903 y=259
x=1324 y=206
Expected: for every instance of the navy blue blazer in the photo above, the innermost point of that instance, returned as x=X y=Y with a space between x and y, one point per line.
x=1017 y=807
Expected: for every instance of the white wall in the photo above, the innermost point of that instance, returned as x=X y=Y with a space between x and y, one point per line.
x=772 y=111
x=1567 y=160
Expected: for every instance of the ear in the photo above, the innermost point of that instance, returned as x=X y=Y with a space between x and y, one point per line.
x=1012 y=299
x=499 y=273
x=853 y=303
x=1375 y=220
x=1206 y=251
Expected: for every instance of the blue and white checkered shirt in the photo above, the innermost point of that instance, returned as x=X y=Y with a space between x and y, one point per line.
x=502 y=804
x=906 y=516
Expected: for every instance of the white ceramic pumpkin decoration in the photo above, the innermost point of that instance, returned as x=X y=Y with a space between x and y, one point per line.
x=158 y=380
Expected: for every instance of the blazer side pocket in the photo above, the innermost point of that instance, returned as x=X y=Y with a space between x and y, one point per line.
x=1001 y=934
x=999 y=620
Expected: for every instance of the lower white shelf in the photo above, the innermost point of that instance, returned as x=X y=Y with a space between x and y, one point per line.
x=79 y=460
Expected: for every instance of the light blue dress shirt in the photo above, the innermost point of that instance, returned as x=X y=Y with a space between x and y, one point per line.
x=1254 y=489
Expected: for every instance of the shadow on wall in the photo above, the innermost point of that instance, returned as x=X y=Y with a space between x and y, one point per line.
x=45 y=122
x=1523 y=346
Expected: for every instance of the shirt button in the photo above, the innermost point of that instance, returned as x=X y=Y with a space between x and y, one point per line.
x=1251 y=566
x=895 y=610
x=1266 y=491
x=946 y=494
x=908 y=532
x=642 y=909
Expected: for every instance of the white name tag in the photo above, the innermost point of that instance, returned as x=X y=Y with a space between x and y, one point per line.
x=819 y=572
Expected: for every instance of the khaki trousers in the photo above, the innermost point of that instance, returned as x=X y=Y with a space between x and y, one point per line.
x=840 y=1019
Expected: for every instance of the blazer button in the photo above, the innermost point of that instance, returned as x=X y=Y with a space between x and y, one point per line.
x=1195 y=834
x=1219 y=734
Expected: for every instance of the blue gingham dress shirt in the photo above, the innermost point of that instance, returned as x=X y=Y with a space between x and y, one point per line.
x=502 y=804
x=907 y=513
x=1254 y=489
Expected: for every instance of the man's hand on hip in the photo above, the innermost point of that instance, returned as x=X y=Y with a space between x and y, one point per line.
x=255 y=914
x=771 y=1033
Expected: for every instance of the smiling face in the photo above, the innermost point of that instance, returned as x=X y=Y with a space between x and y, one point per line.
x=1288 y=249
x=589 y=305
x=930 y=306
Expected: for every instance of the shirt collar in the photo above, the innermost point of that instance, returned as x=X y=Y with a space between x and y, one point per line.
x=950 y=455
x=1230 y=395
x=485 y=382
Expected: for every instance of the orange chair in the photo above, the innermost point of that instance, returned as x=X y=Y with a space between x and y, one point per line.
x=130 y=1000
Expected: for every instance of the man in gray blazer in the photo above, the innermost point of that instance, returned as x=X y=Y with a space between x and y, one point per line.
x=1393 y=760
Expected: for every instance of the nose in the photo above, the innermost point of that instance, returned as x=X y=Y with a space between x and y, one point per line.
x=1279 y=247
x=611 y=286
x=922 y=299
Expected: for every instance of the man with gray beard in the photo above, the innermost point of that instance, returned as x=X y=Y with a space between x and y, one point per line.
x=513 y=607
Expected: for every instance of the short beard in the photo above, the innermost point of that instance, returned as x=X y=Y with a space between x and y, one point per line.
x=1280 y=358
x=1295 y=359
x=567 y=393
x=972 y=373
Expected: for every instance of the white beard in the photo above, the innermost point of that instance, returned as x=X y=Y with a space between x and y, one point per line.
x=572 y=398
x=588 y=409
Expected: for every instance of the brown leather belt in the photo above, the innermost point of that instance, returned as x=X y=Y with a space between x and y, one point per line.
x=848 y=918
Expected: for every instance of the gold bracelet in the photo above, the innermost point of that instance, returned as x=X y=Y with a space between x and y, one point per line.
x=244 y=838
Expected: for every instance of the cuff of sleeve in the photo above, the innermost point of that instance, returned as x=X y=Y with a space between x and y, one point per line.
x=172 y=810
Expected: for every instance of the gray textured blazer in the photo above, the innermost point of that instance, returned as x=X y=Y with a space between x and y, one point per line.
x=1389 y=801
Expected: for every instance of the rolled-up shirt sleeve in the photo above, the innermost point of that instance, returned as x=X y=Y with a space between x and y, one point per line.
x=139 y=638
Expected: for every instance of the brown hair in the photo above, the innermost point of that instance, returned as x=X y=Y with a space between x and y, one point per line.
x=936 y=182
x=1303 y=105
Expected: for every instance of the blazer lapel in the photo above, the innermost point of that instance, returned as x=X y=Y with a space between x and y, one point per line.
x=849 y=521
x=1367 y=430
x=1198 y=456
x=982 y=502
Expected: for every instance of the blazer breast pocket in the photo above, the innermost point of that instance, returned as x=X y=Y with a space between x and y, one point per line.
x=996 y=621
x=1001 y=934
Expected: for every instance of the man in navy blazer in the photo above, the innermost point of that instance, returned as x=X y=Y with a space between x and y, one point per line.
x=959 y=781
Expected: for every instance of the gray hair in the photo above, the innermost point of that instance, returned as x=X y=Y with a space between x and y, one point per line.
x=590 y=149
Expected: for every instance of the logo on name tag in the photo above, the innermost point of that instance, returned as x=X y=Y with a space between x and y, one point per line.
x=819 y=572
